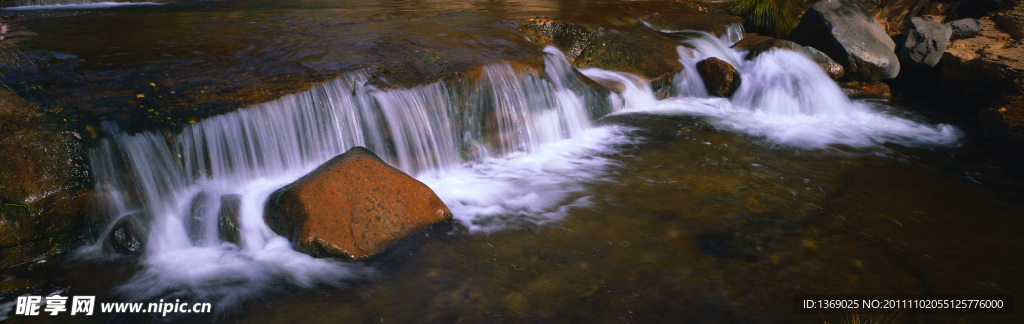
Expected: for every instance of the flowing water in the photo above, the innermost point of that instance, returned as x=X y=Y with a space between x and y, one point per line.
x=571 y=204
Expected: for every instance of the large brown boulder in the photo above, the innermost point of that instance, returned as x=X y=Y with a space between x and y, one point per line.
x=719 y=77
x=352 y=206
x=983 y=69
x=42 y=184
x=846 y=32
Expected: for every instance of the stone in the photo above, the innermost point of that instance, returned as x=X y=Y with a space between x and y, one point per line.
x=1003 y=125
x=861 y=90
x=195 y=223
x=42 y=185
x=981 y=70
x=833 y=69
x=964 y=28
x=924 y=42
x=1011 y=21
x=846 y=32
x=228 y=226
x=126 y=237
x=719 y=77
x=352 y=206
x=935 y=9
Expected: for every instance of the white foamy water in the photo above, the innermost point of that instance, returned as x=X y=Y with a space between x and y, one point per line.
x=783 y=97
x=172 y=186
x=527 y=187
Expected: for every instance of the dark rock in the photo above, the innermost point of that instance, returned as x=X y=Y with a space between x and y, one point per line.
x=924 y=43
x=964 y=28
x=228 y=226
x=862 y=90
x=42 y=185
x=719 y=77
x=846 y=32
x=195 y=223
x=830 y=67
x=352 y=206
x=126 y=237
x=1003 y=125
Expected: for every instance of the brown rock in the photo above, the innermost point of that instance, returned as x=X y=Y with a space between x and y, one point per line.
x=719 y=77
x=984 y=68
x=41 y=185
x=935 y=9
x=1003 y=125
x=750 y=41
x=865 y=90
x=353 y=206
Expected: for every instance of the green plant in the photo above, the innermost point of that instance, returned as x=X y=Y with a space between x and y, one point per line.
x=771 y=17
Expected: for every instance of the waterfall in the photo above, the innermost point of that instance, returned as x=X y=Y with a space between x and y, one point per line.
x=784 y=97
x=171 y=187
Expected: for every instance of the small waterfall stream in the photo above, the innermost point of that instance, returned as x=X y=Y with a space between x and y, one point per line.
x=502 y=149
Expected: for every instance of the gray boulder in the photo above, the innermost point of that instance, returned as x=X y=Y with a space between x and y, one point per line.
x=845 y=31
x=924 y=42
x=964 y=28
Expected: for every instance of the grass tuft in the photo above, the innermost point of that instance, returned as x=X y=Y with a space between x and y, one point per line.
x=769 y=17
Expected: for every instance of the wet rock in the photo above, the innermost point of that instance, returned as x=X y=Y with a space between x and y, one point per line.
x=42 y=185
x=228 y=229
x=195 y=224
x=126 y=237
x=847 y=33
x=1003 y=125
x=639 y=51
x=744 y=246
x=714 y=24
x=749 y=41
x=352 y=206
x=924 y=43
x=964 y=28
x=828 y=65
x=719 y=77
x=864 y=90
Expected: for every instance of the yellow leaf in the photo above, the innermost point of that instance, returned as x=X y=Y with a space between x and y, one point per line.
x=140 y=96
x=152 y=84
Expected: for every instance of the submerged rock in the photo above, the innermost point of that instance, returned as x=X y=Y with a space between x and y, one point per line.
x=228 y=229
x=833 y=69
x=864 y=90
x=846 y=32
x=352 y=206
x=126 y=237
x=924 y=42
x=719 y=77
x=964 y=28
